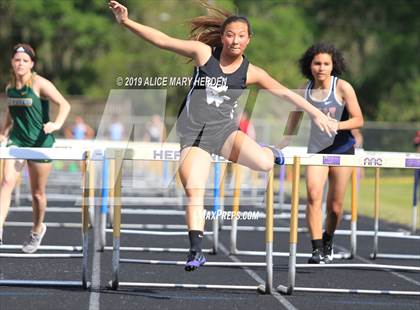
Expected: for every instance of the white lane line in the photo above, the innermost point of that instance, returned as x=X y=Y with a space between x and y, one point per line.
x=399 y=275
x=287 y=305
x=96 y=267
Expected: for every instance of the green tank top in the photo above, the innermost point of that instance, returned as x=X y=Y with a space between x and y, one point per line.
x=29 y=114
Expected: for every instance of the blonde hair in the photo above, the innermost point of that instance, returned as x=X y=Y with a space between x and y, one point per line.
x=31 y=53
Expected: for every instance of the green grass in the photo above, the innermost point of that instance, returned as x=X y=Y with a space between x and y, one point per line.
x=395 y=199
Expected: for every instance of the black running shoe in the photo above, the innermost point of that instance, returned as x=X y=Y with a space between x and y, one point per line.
x=316 y=258
x=328 y=252
x=194 y=261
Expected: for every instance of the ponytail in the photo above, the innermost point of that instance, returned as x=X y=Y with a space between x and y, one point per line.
x=208 y=28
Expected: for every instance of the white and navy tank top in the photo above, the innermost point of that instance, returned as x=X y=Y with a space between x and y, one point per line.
x=320 y=142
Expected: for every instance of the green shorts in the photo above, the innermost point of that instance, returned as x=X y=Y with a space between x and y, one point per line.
x=48 y=142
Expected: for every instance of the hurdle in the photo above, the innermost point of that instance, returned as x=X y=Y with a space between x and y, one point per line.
x=115 y=283
x=382 y=160
x=352 y=217
x=69 y=210
x=108 y=190
x=415 y=200
x=56 y=154
x=108 y=180
x=375 y=253
x=234 y=226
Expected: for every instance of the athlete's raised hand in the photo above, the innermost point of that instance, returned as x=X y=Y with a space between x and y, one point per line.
x=326 y=123
x=333 y=123
x=120 y=11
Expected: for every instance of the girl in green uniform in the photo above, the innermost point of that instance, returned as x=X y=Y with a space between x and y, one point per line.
x=27 y=124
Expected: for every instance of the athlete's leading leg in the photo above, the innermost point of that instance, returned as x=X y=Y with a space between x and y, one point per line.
x=338 y=180
x=38 y=175
x=315 y=180
x=241 y=149
x=194 y=170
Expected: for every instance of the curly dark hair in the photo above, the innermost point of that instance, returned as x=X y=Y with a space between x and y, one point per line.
x=339 y=65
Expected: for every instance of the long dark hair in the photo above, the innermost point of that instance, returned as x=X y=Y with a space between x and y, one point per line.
x=210 y=27
x=339 y=65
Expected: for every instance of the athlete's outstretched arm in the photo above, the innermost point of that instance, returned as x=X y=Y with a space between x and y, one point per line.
x=49 y=91
x=258 y=76
x=195 y=50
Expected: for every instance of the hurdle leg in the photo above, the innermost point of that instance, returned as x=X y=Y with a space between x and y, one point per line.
x=235 y=208
x=324 y=204
x=282 y=175
x=293 y=230
x=216 y=207
x=353 y=236
x=415 y=191
x=268 y=288
x=86 y=172
x=17 y=189
x=222 y=195
x=117 y=222
x=104 y=203
x=91 y=192
x=376 y=215
x=166 y=178
x=1 y=178
x=111 y=192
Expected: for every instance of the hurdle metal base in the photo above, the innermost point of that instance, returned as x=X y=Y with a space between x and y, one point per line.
x=151 y=249
x=394 y=256
x=24 y=255
x=49 y=224
x=43 y=248
x=359 y=266
x=185 y=285
x=154 y=226
x=155 y=233
x=46 y=283
x=260 y=228
x=182 y=263
x=288 y=290
x=286 y=254
x=50 y=209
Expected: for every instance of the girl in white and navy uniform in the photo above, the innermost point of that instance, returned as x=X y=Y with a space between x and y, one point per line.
x=322 y=64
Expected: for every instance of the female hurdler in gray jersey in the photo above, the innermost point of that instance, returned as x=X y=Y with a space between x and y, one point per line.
x=206 y=123
x=321 y=64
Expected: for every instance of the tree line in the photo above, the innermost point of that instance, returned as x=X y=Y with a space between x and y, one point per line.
x=83 y=50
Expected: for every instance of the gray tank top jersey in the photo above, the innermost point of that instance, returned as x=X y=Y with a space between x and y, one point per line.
x=320 y=142
x=211 y=101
